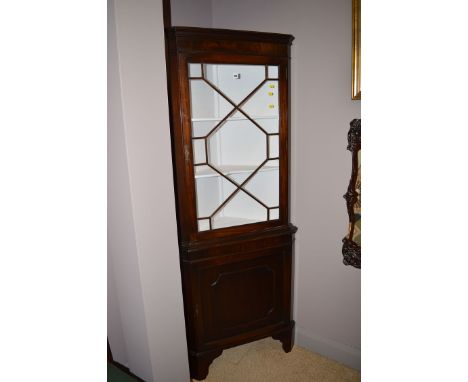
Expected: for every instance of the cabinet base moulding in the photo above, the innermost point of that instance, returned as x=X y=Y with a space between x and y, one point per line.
x=200 y=362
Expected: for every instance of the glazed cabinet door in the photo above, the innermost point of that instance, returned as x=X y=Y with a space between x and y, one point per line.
x=235 y=114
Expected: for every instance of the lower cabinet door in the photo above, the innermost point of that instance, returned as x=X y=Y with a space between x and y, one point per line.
x=238 y=296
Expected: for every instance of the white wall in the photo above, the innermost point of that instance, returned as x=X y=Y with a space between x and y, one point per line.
x=327 y=293
x=142 y=239
x=194 y=13
x=126 y=323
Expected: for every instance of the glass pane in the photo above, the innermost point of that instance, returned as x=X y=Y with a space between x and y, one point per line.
x=269 y=124
x=198 y=147
x=272 y=72
x=241 y=209
x=201 y=128
x=273 y=146
x=274 y=213
x=237 y=147
x=212 y=190
x=264 y=185
x=263 y=107
x=206 y=103
x=235 y=144
x=264 y=102
x=195 y=70
x=236 y=81
x=203 y=224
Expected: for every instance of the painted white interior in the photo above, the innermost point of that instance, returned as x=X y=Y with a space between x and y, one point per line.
x=145 y=311
x=238 y=147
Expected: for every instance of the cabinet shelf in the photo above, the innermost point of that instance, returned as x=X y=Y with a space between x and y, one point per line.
x=207 y=172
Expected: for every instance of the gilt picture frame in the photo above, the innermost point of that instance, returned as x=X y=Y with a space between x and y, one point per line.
x=356 y=51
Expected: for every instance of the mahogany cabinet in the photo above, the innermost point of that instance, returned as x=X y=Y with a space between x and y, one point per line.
x=229 y=101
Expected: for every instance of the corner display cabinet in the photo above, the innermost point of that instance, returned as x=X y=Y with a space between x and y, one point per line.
x=229 y=99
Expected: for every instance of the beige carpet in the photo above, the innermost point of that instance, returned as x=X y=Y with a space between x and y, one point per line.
x=265 y=361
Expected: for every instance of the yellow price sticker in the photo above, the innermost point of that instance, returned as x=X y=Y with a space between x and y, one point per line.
x=270 y=93
x=272 y=86
x=271 y=106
